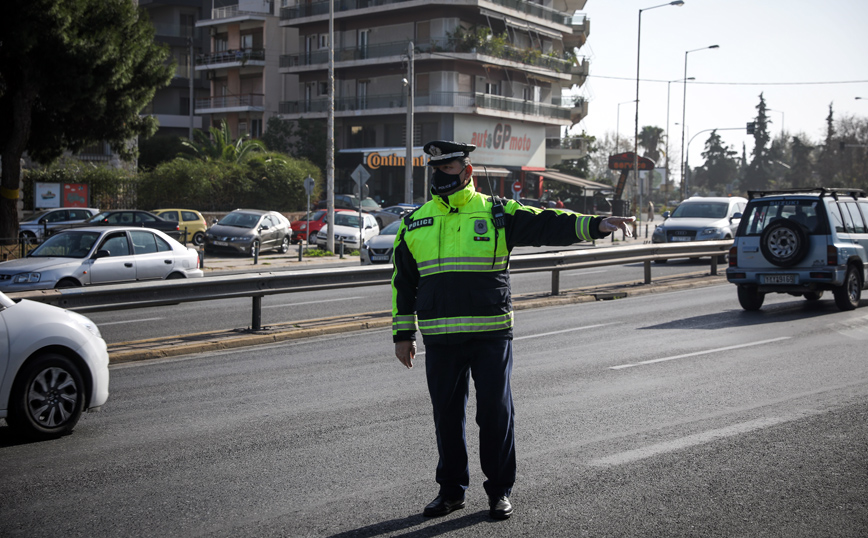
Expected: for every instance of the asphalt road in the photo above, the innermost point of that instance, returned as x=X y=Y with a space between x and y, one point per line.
x=673 y=414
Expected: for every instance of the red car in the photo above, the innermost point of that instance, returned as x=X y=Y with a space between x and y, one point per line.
x=300 y=230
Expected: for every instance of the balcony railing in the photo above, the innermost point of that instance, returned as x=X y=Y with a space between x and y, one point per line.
x=231 y=57
x=228 y=12
x=322 y=8
x=443 y=99
x=399 y=48
x=249 y=100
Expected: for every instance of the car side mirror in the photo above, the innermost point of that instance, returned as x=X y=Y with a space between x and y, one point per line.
x=43 y=220
x=102 y=253
x=735 y=216
x=666 y=215
x=263 y=227
x=214 y=220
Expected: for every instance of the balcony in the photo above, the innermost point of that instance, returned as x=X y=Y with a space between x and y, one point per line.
x=526 y=57
x=251 y=102
x=580 y=71
x=321 y=8
x=250 y=9
x=394 y=103
x=581 y=26
x=232 y=58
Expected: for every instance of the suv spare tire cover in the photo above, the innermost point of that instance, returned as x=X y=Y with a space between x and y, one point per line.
x=784 y=243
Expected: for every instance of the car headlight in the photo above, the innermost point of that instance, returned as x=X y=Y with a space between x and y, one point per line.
x=658 y=231
x=303 y=227
x=710 y=231
x=85 y=322
x=240 y=239
x=25 y=278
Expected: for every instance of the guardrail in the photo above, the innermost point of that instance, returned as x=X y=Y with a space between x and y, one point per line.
x=258 y=285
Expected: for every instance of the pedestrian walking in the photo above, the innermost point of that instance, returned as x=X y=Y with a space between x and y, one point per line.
x=650 y=211
x=451 y=280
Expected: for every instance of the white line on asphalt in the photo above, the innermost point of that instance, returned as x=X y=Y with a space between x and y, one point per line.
x=705 y=352
x=630 y=456
x=310 y=302
x=127 y=321
x=563 y=331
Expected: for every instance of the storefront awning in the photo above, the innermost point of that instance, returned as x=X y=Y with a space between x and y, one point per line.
x=490 y=171
x=554 y=175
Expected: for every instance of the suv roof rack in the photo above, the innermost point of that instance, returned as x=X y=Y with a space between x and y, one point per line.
x=833 y=191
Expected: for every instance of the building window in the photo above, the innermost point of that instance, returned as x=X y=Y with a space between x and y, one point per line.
x=492 y=88
x=362 y=94
x=324 y=41
x=256 y=128
x=362 y=137
x=322 y=88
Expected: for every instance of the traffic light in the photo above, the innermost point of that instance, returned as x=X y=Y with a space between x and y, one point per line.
x=751 y=127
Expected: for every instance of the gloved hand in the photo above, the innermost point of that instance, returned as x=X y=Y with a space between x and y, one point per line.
x=405 y=350
x=613 y=224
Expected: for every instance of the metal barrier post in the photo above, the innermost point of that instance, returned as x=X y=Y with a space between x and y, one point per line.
x=342 y=248
x=714 y=265
x=256 y=323
x=300 y=248
x=647 y=264
x=556 y=282
x=255 y=253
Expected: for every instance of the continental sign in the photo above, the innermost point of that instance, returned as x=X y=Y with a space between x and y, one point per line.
x=376 y=160
x=624 y=161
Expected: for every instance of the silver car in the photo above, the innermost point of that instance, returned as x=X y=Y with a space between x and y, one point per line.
x=700 y=219
x=100 y=255
x=378 y=249
x=245 y=231
x=34 y=227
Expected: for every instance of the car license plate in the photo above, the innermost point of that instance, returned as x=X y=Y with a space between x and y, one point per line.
x=380 y=258
x=681 y=238
x=221 y=243
x=779 y=279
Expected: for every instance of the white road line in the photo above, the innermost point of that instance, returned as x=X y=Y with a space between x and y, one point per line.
x=705 y=352
x=310 y=302
x=127 y=321
x=630 y=456
x=563 y=331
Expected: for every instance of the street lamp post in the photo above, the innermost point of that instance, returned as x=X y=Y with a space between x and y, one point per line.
x=618 y=124
x=782 y=117
x=684 y=117
x=408 y=160
x=636 y=122
x=666 y=183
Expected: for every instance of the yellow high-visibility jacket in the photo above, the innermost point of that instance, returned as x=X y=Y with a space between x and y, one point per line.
x=451 y=263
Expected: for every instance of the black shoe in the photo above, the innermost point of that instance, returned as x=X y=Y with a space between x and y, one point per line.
x=499 y=507
x=442 y=506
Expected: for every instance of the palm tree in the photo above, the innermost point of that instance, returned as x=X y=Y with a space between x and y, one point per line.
x=651 y=139
x=219 y=146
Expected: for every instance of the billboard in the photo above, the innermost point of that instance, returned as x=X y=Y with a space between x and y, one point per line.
x=502 y=142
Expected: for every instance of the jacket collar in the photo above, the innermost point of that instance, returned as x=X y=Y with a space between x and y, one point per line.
x=457 y=199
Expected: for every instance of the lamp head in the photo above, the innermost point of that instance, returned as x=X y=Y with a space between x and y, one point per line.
x=676 y=3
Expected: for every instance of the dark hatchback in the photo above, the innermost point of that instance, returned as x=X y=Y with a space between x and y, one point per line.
x=128 y=217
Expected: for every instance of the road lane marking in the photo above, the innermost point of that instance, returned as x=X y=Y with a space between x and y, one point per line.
x=310 y=302
x=127 y=321
x=563 y=331
x=645 y=452
x=705 y=352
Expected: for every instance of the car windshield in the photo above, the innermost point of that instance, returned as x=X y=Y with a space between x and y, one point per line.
x=391 y=229
x=99 y=217
x=66 y=245
x=367 y=203
x=347 y=219
x=700 y=210
x=240 y=220
x=36 y=217
x=761 y=213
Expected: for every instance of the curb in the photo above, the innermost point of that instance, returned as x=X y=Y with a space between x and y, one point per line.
x=174 y=346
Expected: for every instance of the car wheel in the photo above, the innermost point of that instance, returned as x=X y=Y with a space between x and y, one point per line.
x=749 y=298
x=199 y=239
x=254 y=247
x=47 y=397
x=174 y=276
x=284 y=246
x=847 y=296
x=784 y=243
x=27 y=236
x=67 y=283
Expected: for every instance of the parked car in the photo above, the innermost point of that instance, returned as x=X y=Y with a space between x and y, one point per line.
x=53 y=367
x=100 y=255
x=390 y=214
x=351 y=201
x=700 y=219
x=128 y=217
x=191 y=223
x=34 y=227
x=801 y=242
x=378 y=249
x=246 y=230
x=346 y=229
x=302 y=228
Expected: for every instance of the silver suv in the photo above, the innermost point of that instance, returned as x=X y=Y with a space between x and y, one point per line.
x=801 y=242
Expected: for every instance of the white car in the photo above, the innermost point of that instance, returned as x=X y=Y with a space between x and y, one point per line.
x=700 y=219
x=346 y=230
x=379 y=249
x=100 y=255
x=53 y=367
x=34 y=227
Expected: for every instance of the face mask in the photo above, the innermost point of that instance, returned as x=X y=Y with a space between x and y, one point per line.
x=443 y=182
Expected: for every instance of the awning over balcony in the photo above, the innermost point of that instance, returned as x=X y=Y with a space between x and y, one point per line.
x=586 y=184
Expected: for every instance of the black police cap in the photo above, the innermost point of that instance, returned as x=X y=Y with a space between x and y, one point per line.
x=444 y=152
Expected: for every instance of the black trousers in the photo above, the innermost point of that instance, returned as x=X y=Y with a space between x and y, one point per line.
x=448 y=368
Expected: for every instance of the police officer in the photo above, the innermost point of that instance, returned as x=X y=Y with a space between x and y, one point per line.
x=451 y=278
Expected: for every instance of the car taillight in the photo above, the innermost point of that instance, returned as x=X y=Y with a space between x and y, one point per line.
x=733 y=257
x=831 y=255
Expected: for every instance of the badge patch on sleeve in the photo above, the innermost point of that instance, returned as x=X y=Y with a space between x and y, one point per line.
x=480 y=226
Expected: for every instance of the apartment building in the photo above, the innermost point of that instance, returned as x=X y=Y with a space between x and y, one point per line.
x=175 y=23
x=494 y=73
x=241 y=65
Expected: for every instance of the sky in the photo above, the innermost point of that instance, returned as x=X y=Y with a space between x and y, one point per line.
x=802 y=56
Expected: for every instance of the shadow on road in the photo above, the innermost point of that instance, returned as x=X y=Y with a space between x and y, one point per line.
x=775 y=313
x=395 y=526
